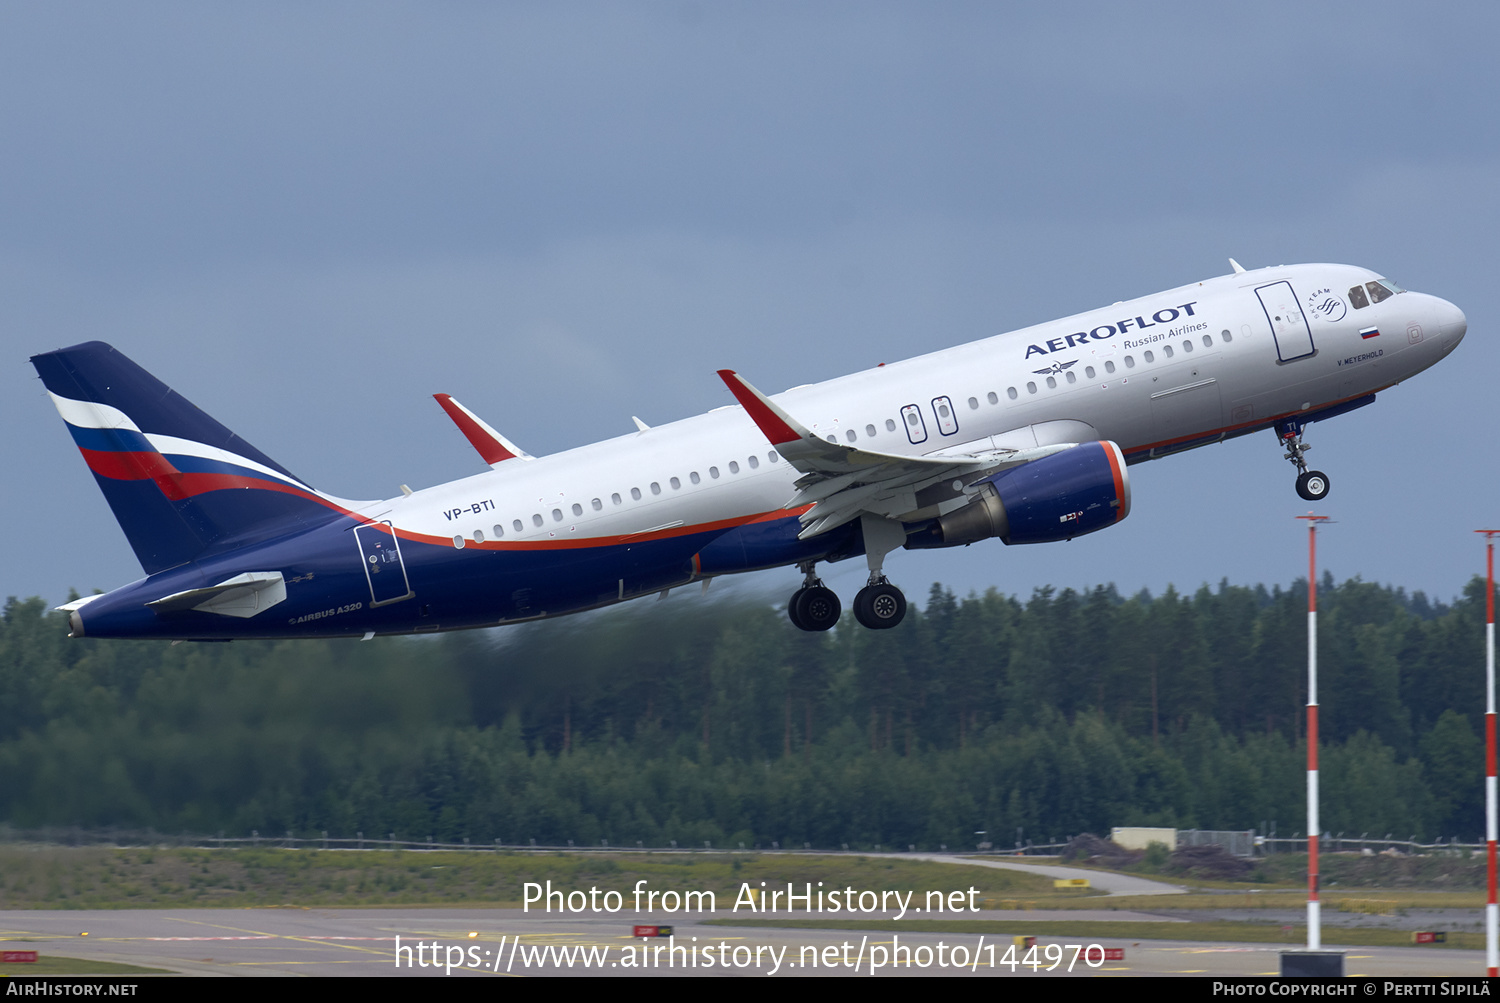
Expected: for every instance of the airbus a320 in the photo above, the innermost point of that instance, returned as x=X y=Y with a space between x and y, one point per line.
x=1026 y=437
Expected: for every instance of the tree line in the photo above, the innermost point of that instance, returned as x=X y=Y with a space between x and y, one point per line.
x=699 y=721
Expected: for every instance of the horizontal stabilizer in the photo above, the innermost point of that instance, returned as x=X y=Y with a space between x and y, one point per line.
x=492 y=447
x=241 y=596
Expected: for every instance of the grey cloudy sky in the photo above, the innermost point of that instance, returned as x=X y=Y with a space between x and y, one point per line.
x=307 y=218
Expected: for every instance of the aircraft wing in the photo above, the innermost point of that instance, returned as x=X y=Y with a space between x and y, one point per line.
x=845 y=482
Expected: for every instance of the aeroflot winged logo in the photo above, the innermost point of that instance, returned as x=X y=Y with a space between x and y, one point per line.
x=1166 y=315
x=1056 y=367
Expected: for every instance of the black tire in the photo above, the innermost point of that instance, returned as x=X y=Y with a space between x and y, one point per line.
x=1313 y=486
x=791 y=609
x=879 y=607
x=817 y=608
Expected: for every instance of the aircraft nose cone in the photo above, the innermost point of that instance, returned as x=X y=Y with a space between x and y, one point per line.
x=1451 y=320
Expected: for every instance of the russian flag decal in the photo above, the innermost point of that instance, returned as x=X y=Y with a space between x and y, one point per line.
x=1369 y=332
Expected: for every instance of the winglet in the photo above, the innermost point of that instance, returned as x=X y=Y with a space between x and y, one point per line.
x=1239 y=269
x=493 y=447
x=777 y=425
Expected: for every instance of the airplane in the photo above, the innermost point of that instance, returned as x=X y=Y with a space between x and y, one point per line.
x=1025 y=437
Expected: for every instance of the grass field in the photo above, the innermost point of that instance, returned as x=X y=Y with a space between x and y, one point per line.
x=1216 y=932
x=98 y=878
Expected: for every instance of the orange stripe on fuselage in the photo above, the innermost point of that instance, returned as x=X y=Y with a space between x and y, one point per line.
x=582 y=543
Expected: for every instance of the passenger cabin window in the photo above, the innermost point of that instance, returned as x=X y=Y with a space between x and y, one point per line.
x=773 y=456
x=713 y=472
x=1208 y=341
x=851 y=435
x=516 y=525
x=890 y=424
x=676 y=484
x=1129 y=362
x=557 y=515
x=499 y=531
x=1166 y=350
x=577 y=509
x=694 y=477
x=1088 y=371
x=973 y=403
x=655 y=488
x=615 y=498
x=635 y=494
x=597 y=505
x=1187 y=345
x=869 y=430
x=734 y=467
x=1150 y=356
x=753 y=460
x=1031 y=388
x=1011 y=393
x=1226 y=336
x=536 y=519
x=993 y=397
x=1072 y=377
x=1051 y=383
x=1109 y=366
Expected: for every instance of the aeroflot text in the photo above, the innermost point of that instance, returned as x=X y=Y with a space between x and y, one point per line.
x=1140 y=323
x=645 y=899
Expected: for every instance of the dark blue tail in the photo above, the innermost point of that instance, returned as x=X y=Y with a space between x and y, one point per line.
x=180 y=484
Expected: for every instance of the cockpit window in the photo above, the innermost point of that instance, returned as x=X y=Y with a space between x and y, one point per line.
x=1382 y=290
x=1357 y=298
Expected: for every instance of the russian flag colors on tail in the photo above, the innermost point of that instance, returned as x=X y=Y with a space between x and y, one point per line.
x=180 y=484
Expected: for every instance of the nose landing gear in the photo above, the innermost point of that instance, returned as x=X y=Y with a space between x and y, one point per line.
x=1312 y=485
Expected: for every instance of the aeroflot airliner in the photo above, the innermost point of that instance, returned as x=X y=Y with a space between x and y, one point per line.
x=1024 y=436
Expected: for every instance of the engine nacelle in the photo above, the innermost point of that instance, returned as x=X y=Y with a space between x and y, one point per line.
x=1058 y=497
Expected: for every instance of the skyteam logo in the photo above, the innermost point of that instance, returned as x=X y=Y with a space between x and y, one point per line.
x=1055 y=368
x=1325 y=304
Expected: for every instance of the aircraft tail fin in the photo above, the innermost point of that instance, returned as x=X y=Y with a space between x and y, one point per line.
x=180 y=483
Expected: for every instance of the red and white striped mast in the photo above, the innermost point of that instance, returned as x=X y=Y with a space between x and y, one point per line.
x=1314 y=915
x=1491 y=911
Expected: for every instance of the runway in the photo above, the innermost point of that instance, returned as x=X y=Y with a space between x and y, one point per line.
x=511 y=943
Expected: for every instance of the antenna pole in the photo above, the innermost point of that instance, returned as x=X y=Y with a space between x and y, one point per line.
x=1314 y=907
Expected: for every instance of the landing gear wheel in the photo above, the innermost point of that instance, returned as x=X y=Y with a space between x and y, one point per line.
x=791 y=609
x=879 y=607
x=815 y=608
x=1313 y=485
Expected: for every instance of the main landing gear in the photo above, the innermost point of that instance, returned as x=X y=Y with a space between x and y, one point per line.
x=814 y=606
x=878 y=606
x=1312 y=485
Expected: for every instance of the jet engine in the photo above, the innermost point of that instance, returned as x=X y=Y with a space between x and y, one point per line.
x=1058 y=497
